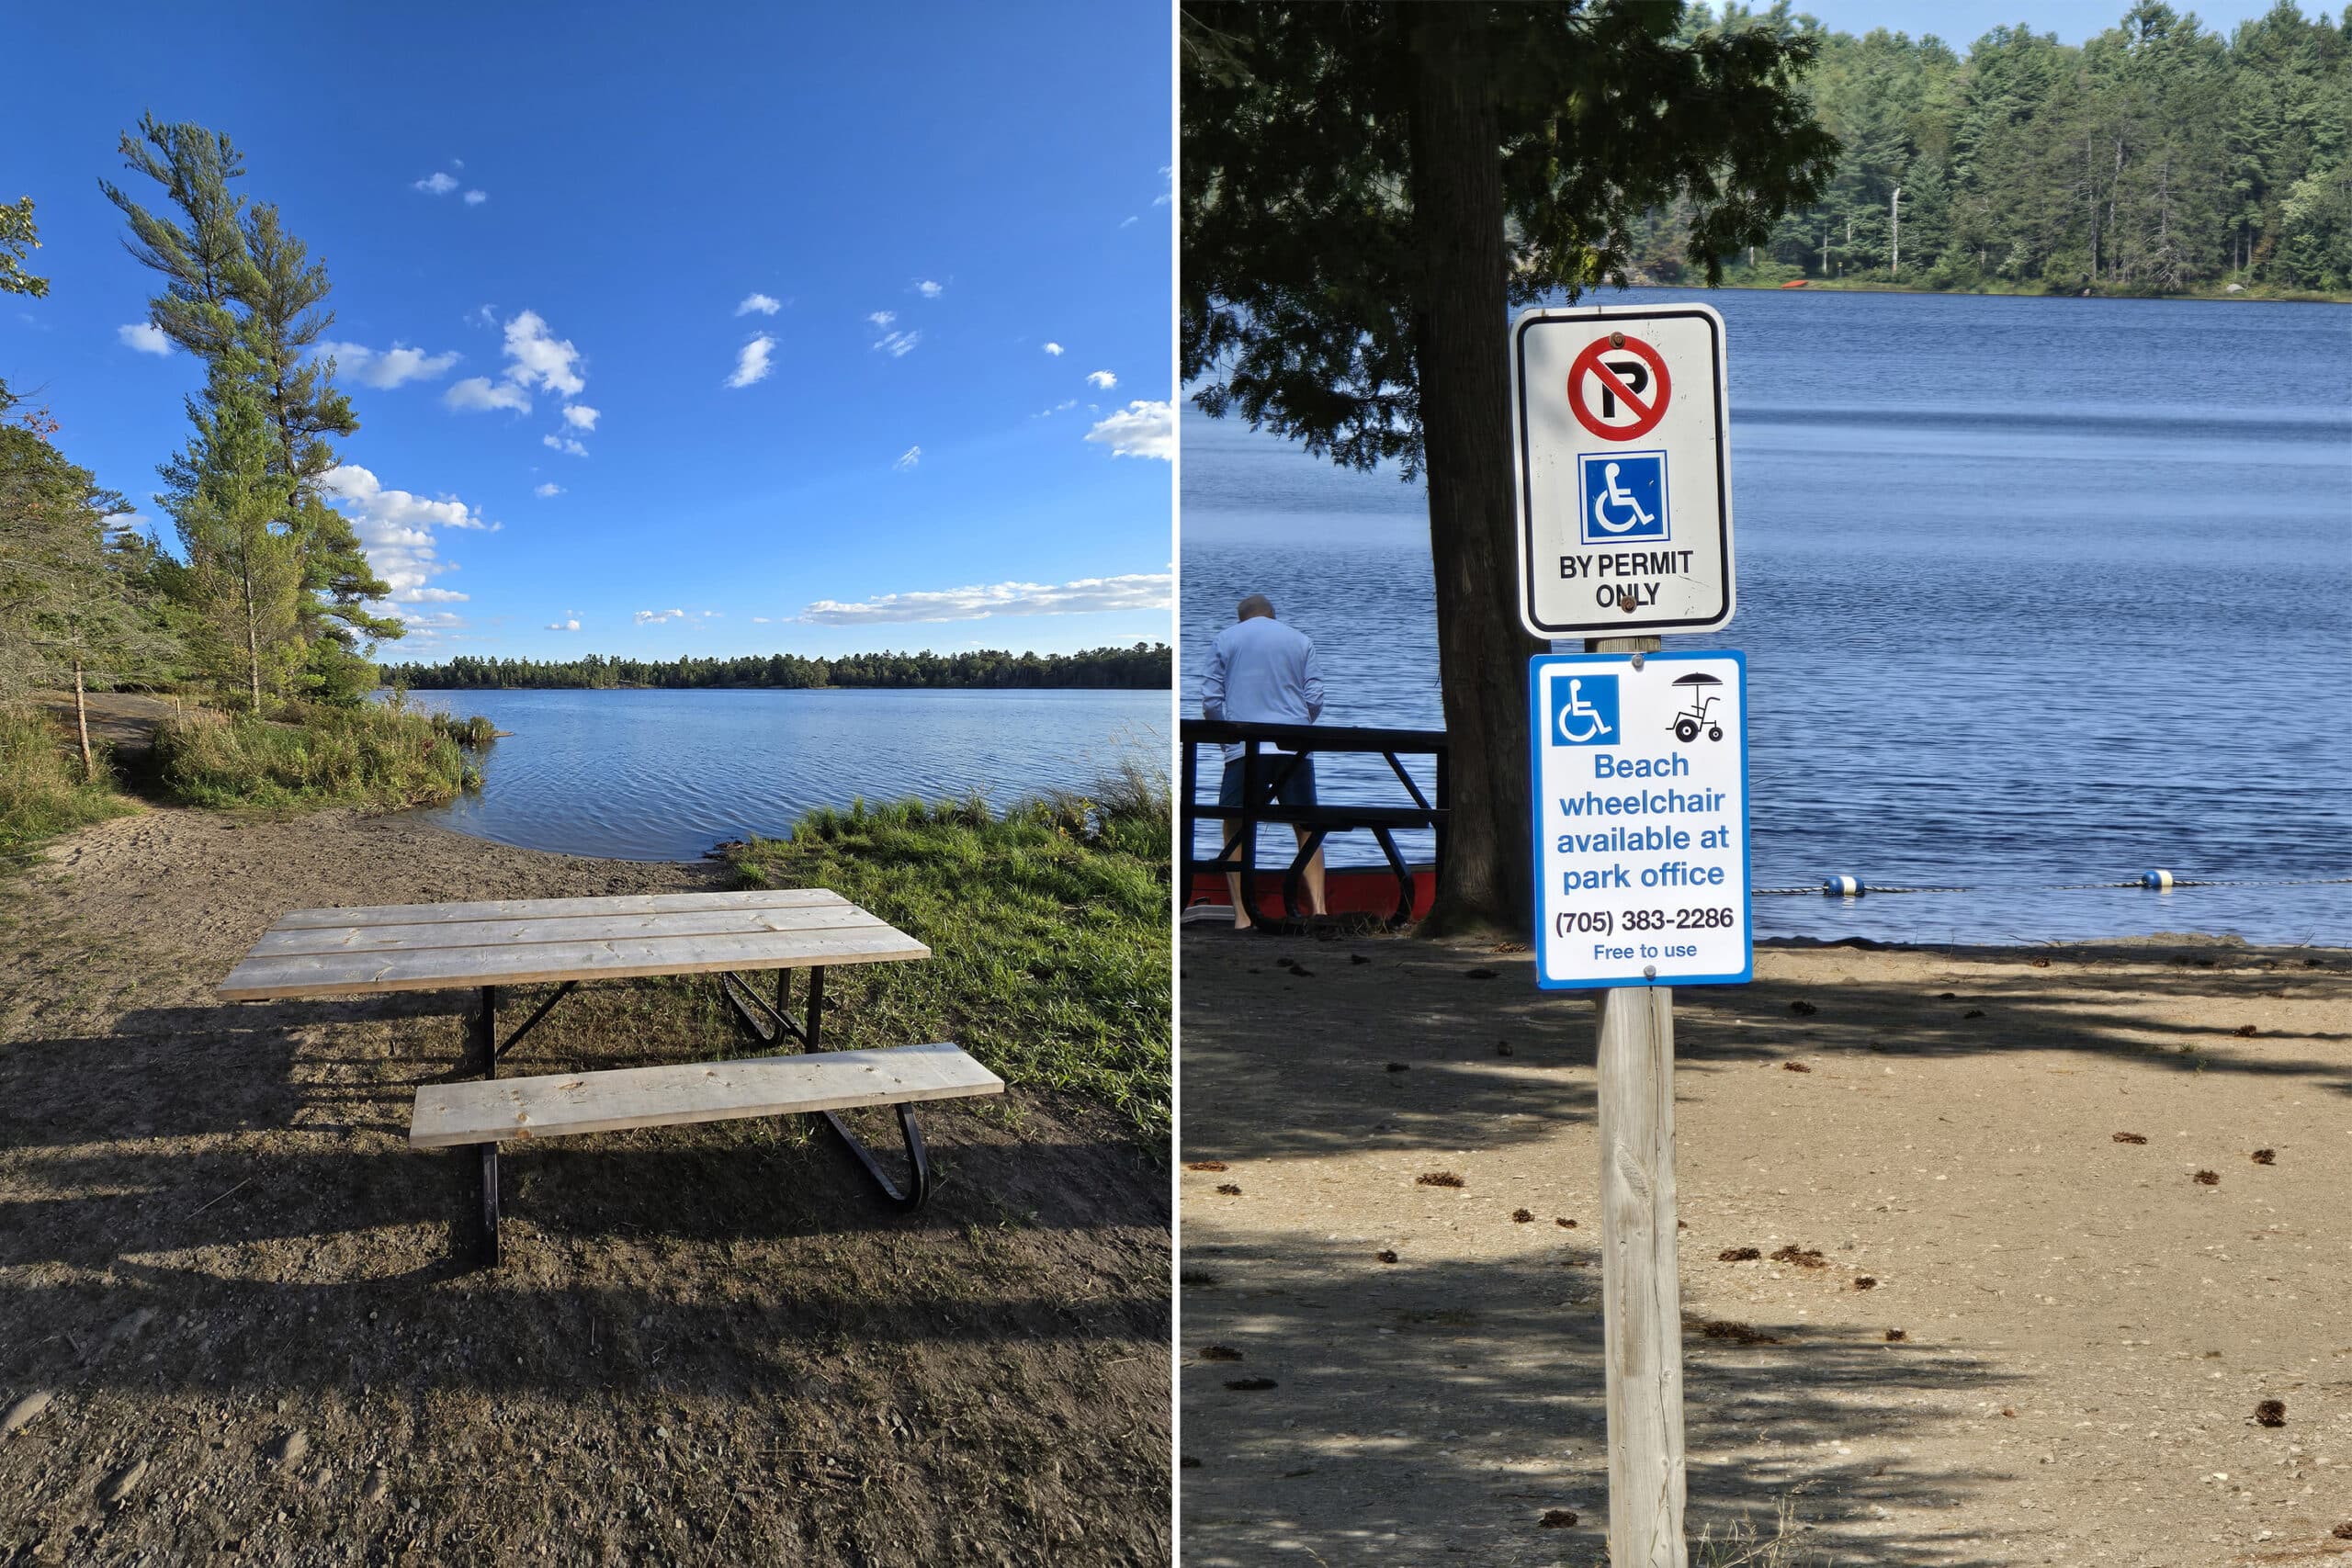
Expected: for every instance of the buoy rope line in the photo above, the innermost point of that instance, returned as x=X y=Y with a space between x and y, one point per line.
x=2155 y=881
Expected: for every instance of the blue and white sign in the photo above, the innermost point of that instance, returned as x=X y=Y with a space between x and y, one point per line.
x=1624 y=496
x=1641 y=819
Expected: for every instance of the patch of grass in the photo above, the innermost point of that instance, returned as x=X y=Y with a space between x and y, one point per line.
x=1745 y=1546
x=370 y=755
x=41 y=790
x=1048 y=926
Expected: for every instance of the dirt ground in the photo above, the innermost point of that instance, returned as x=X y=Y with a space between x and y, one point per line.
x=235 y=1282
x=2086 y=1327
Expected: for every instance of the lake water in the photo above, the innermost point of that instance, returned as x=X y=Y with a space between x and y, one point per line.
x=2033 y=592
x=665 y=775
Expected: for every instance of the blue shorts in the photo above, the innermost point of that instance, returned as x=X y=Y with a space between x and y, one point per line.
x=1297 y=789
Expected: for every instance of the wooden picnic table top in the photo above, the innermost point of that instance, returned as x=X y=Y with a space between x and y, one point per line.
x=427 y=947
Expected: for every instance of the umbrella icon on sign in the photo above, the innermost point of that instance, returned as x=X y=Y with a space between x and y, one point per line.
x=1688 y=723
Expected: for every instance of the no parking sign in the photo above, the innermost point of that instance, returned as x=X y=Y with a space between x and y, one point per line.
x=1622 y=444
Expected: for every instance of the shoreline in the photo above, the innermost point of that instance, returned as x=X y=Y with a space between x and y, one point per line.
x=1838 y=286
x=741 y=688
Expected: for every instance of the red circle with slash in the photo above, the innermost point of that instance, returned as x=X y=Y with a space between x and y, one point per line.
x=1646 y=403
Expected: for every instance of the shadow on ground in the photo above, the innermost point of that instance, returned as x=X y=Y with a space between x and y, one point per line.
x=1470 y=1027
x=1466 y=1403
x=706 y=1345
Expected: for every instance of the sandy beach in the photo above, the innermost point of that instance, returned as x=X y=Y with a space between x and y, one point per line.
x=234 y=1282
x=2011 y=1322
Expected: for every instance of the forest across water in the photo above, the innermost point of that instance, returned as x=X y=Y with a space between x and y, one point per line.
x=2159 y=157
x=1143 y=667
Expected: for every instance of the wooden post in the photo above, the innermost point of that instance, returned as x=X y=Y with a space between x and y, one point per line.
x=1641 y=1283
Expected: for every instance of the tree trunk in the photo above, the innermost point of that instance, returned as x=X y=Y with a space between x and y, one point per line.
x=1462 y=362
x=253 y=651
x=82 y=723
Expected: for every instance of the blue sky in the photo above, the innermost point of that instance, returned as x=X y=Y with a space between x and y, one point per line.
x=743 y=330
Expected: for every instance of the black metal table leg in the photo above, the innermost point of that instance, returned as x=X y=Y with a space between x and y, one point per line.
x=1404 y=874
x=810 y=1032
x=918 y=1188
x=486 y=1033
x=488 y=1251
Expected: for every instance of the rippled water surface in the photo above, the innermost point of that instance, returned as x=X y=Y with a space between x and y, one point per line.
x=664 y=776
x=2032 y=592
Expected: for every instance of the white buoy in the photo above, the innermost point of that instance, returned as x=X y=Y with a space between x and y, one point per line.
x=2156 y=881
x=1843 y=887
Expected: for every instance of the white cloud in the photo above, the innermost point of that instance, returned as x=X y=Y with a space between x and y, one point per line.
x=883 y=317
x=1129 y=222
x=1140 y=591
x=1167 y=173
x=766 y=304
x=929 y=290
x=898 y=345
x=579 y=416
x=1055 y=349
x=144 y=336
x=482 y=316
x=437 y=621
x=396 y=529
x=541 y=358
x=438 y=182
x=751 y=361
x=655 y=617
x=563 y=444
x=544 y=490
x=387 y=369
x=476 y=197
x=759 y=620
x=1103 y=378
x=908 y=459
x=479 y=392
x=1140 y=430
x=572 y=625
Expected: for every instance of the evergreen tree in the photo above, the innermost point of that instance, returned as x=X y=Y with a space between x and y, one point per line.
x=72 y=604
x=244 y=561
x=243 y=293
x=2156 y=158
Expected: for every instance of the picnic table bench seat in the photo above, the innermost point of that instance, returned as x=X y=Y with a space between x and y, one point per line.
x=490 y=1111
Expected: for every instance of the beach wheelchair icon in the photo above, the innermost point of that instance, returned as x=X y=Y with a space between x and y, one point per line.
x=1584 y=710
x=1624 y=496
x=1699 y=714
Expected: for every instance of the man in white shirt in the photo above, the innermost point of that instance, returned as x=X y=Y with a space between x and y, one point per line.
x=1262 y=672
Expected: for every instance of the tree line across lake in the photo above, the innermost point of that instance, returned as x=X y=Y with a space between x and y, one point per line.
x=1143 y=667
x=2158 y=157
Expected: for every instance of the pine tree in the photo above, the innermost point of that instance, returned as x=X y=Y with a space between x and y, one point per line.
x=243 y=293
x=73 y=606
x=244 y=559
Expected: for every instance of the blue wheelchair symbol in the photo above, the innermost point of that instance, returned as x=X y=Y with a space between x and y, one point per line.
x=1584 y=710
x=1624 y=496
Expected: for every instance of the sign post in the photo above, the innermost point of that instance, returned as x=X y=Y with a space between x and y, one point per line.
x=1621 y=439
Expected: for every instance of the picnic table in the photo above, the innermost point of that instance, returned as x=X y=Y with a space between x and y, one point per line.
x=566 y=941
